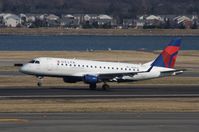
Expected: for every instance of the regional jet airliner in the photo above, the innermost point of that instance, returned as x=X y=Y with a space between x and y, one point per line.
x=93 y=72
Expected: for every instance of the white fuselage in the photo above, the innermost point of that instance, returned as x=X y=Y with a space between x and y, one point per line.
x=59 y=67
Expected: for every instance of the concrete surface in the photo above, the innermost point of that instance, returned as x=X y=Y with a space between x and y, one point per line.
x=99 y=122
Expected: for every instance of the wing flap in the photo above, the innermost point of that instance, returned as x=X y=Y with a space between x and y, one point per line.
x=110 y=76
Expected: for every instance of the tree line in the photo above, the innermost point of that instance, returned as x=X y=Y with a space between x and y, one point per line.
x=116 y=8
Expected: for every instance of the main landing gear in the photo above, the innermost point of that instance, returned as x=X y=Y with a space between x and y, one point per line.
x=39 y=83
x=94 y=86
x=105 y=86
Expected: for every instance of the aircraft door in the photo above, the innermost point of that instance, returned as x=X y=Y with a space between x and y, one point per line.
x=50 y=65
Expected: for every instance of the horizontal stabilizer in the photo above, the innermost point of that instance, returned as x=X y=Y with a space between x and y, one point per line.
x=172 y=72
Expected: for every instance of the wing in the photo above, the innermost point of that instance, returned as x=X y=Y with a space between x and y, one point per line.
x=111 y=76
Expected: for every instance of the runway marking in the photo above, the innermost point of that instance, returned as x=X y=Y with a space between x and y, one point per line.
x=13 y=120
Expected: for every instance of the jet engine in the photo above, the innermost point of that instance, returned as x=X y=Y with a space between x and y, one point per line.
x=90 y=79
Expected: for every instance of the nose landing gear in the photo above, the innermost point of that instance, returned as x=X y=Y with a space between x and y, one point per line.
x=40 y=79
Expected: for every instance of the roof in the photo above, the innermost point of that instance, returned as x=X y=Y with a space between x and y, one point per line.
x=152 y=17
x=52 y=17
x=104 y=17
x=7 y=16
x=69 y=16
x=11 y=16
x=180 y=19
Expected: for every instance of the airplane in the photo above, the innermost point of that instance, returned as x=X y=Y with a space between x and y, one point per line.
x=93 y=72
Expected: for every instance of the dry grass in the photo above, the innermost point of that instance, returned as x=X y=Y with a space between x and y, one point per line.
x=53 y=82
x=185 y=57
x=9 y=68
x=101 y=105
x=125 y=56
x=63 y=31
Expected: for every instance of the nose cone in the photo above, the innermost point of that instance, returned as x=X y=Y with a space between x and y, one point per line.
x=24 y=69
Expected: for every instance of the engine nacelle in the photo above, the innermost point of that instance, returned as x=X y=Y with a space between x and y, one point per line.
x=90 y=79
x=71 y=79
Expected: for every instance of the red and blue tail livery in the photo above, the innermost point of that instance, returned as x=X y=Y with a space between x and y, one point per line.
x=168 y=56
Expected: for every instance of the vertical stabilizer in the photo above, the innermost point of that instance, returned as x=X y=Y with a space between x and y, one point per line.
x=168 y=56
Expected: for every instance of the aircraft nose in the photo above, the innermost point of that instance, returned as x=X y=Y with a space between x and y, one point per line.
x=24 y=69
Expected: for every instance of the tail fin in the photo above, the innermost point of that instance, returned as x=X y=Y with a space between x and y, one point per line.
x=168 y=56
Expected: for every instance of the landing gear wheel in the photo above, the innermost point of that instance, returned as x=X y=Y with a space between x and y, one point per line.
x=92 y=86
x=39 y=84
x=105 y=86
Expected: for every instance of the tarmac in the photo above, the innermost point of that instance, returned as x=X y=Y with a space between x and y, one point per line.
x=99 y=122
x=148 y=91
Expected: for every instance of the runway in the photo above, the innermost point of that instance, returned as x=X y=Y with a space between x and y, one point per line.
x=148 y=91
x=99 y=122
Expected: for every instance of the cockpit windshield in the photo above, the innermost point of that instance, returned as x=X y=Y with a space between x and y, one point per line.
x=37 y=62
x=34 y=62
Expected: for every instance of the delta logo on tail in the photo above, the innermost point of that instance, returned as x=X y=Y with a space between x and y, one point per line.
x=168 y=56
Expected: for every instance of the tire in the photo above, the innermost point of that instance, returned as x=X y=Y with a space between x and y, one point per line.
x=39 y=84
x=105 y=87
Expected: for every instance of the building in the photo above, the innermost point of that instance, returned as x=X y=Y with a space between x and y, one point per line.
x=128 y=23
x=183 y=21
x=70 y=21
x=105 y=20
x=139 y=24
x=52 y=17
x=11 y=20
